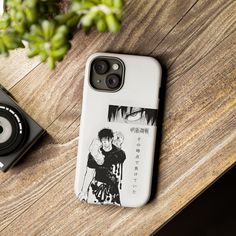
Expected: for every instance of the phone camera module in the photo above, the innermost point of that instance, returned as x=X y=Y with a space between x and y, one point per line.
x=101 y=67
x=113 y=81
x=107 y=74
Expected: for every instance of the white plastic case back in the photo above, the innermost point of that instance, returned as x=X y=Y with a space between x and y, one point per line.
x=126 y=122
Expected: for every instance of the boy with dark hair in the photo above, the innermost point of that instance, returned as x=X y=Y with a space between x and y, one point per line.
x=105 y=133
x=103 y=177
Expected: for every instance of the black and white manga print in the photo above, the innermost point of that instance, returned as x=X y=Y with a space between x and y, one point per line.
x=103 y=176
x=132 y=115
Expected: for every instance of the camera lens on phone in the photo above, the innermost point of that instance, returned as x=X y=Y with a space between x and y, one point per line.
x=101 y=67
x=113 y=81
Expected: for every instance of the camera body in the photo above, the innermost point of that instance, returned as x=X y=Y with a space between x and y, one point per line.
x=18 y=131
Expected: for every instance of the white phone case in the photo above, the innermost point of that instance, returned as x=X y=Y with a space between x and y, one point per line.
x=128 y=117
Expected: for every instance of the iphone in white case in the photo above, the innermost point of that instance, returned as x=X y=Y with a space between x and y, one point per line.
x=118 y=129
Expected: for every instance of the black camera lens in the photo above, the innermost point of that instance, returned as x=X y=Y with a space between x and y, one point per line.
x=113 y=81
x=101 y=67
x=13 y=129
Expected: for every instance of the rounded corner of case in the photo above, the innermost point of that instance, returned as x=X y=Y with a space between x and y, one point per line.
x=141 y=204
x=157 y=63
x=93 y=56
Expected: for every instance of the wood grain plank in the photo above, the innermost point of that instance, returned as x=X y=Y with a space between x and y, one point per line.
x=199 y=130
x=158 y=19
x=202 y=29
x=9 y=75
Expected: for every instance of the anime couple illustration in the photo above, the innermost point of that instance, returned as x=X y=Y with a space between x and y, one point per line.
x=103 y=177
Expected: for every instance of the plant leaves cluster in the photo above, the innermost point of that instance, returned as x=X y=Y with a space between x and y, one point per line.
x=48 y=30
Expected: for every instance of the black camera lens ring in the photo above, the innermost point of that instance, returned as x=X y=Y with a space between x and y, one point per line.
x=19 y=129
x=101 y=66
x=113 y=81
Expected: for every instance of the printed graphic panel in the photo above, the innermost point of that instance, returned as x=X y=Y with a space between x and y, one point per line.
x=116 y=154
x=132 y=115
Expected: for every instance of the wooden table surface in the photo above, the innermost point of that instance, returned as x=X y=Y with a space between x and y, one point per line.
x=195 y=41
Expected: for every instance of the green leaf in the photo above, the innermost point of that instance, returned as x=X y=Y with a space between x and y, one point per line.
x=101 y=25
x=87 y=20
x=51 y=63
x=113 y=23
x=48 y=29
x=119 y=4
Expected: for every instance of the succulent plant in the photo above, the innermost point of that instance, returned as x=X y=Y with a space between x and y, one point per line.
x=48 y=40
x=48 y=26
x=105 y=14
